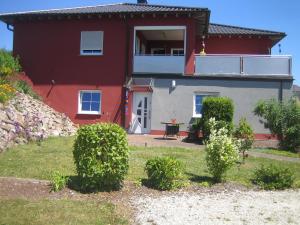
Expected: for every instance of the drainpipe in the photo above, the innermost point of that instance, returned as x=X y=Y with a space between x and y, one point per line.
x=125 y=94
x=10 y=27
x=281 y=91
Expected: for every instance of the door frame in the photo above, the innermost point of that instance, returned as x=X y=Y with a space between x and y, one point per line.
x=133 y=116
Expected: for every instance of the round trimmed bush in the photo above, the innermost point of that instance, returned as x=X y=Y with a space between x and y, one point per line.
x=164 y=173
x=101 y=156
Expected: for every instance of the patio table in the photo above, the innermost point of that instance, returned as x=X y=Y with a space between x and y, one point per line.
x=171 y=129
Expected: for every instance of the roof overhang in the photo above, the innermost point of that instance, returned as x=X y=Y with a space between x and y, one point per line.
x=123 y=10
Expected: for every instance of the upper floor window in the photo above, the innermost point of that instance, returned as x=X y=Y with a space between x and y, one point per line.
x=91 y=43
x=89 y=102
x=177 y=51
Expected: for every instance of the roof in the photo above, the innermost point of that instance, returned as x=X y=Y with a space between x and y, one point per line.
x=110 y=8
x=228 y=29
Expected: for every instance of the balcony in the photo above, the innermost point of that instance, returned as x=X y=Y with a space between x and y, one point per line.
x=159 y=49
x=246 y=65
x=159 y=64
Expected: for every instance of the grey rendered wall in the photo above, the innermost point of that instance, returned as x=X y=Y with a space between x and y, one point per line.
x=168 y=103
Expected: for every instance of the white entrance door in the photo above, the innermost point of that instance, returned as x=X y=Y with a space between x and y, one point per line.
x=141 y=113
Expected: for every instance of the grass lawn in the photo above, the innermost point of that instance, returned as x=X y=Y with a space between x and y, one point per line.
x=57 y=212
x=278 y=152
x=34 y=161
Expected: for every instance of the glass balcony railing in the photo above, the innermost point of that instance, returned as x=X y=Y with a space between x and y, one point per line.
x=259 y=65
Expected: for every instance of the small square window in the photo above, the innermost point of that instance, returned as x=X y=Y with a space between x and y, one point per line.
x=197 y=103
x=89 y=102
x=91 y=43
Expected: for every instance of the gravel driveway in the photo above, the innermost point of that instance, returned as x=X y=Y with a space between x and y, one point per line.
x=234 y=207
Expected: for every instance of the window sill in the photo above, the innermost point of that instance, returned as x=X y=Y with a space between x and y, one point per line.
x=90 y=54
x=89 y=113
x=197 y=116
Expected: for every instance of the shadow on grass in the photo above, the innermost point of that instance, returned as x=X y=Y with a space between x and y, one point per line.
x=75 y=183
x=201 y=179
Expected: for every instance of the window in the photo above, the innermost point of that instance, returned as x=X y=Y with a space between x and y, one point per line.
x=89 y=102
x=91 y=43
x=197 y=103
x=158 y=51
x=177 y=51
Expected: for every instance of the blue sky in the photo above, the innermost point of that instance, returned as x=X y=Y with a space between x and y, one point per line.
x=275 y=15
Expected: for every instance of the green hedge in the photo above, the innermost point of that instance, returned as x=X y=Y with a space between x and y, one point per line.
x=101 y=156
x=164 y=173
x=220 y=108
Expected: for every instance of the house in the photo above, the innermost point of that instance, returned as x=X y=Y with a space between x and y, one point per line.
x=296 y=91
x=140 y=64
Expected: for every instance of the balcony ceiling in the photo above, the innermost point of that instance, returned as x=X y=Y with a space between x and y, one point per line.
x=159 y=35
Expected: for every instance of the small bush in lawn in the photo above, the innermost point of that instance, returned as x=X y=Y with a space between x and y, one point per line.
x=164 y=173
x=245 y=134
x=58 y=181
x=220 y=108
x=101 y=156
x=273 y=177
x=222 y=151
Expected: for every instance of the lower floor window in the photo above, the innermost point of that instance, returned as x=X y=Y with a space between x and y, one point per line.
x=197 y=103
x=89 y=102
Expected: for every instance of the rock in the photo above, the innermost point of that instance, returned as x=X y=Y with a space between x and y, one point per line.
x=24 y=116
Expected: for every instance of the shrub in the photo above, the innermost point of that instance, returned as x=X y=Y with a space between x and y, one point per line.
x=8 y=64
x=25 y=88
x=245 y=134
x=221 y=151
x=220 y=108
x=272 y=177
x=164 y=173
x=58 y=181
x=283 y=120
x=101 y=156
x=6 y=92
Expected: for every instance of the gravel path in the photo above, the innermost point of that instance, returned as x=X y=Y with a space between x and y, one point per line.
x=234 y=207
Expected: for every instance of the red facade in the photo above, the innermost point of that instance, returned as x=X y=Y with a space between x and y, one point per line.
x=50 y=54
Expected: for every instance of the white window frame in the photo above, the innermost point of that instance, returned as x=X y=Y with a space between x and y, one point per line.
x=205 y=94
x=178 y=49
x=138 y=45
x=91 y=53
x=154 y=49
x=80 y=103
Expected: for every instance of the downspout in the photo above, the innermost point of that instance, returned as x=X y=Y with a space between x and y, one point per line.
x=281 y=91
x=9 y=27
x=125 y=95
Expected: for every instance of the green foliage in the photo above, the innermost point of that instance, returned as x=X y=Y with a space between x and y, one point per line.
x=25 y=88
x=8 y=64
x=273 y=177
x=6 y=92
x=101 y=156
x=245 y=134
x=220 y=108
x=164 y=173
x=58 y=181
x=283 y=120
x=221 y=151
